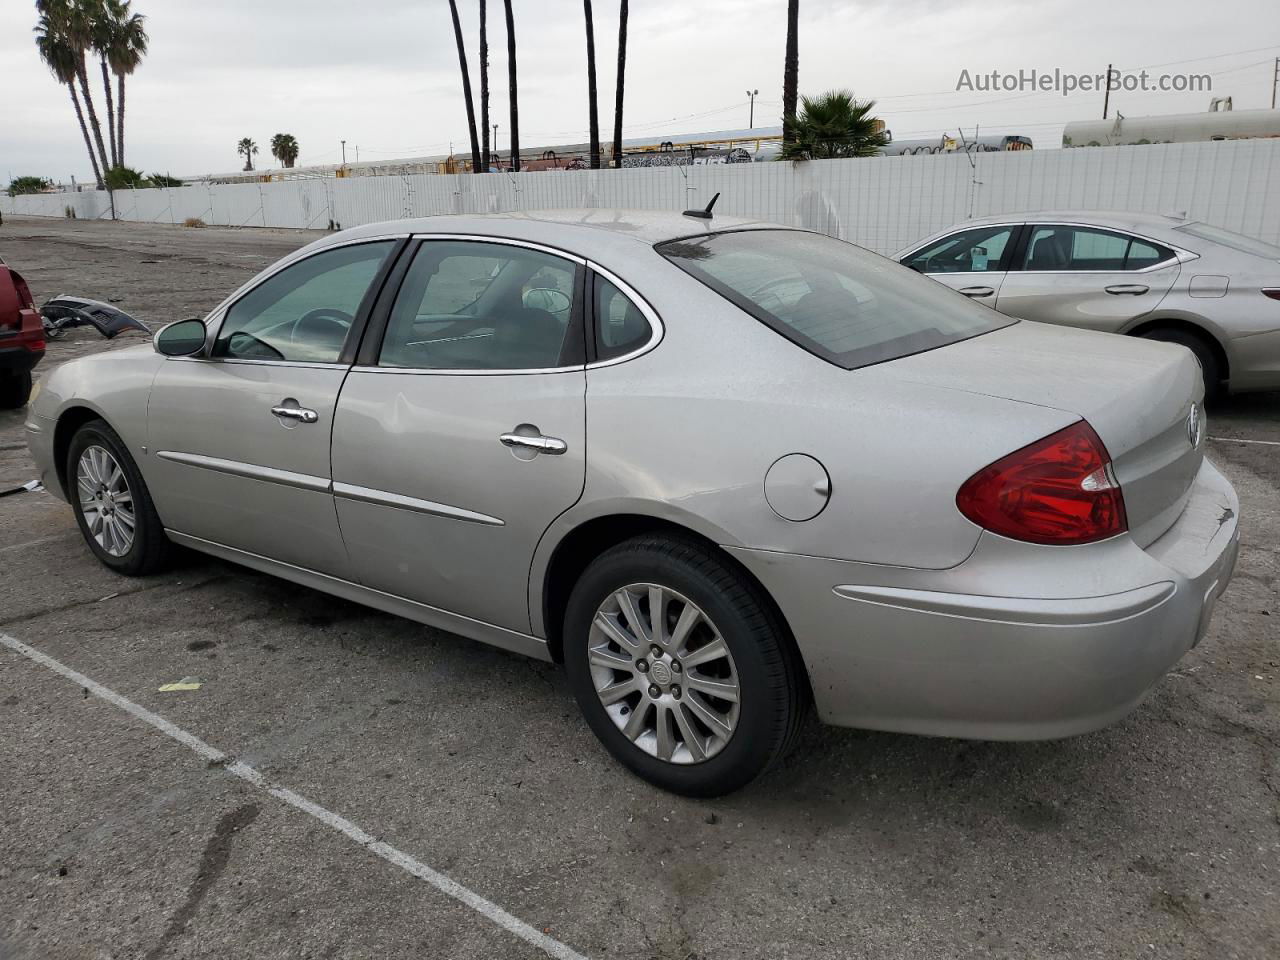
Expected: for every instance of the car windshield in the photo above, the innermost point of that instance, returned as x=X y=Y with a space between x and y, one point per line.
x=1236 y=241
x=838 y=301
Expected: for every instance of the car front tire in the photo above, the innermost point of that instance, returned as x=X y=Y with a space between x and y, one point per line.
x=704 y=697
x=113 y=507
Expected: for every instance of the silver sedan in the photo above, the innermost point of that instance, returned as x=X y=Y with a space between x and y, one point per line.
x=723 y=471
x=1163 y=278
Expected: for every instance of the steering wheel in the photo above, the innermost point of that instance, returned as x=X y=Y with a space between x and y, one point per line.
x=322 y=323
x=248 y=347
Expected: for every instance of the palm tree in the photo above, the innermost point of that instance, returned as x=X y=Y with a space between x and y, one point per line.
x=466 y=86
x=622 y=69
x=791 y=72
x=79 y=19
x=73 y=21
x=60 y=58
x=102 y=29
x=284 y=147
x=511 y=80
x=835 y=124
x=591 y=87
x=247 y=148
x=484 y=88
x=128 y=47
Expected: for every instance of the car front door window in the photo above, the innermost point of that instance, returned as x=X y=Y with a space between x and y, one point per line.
x=980 y=250
x=305 y=312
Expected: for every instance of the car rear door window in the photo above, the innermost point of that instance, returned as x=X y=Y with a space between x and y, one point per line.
x=1054 y=247
x=305 y=312
x=836 y=300
x=980 y=250
x=472 y=305
x=620 y=326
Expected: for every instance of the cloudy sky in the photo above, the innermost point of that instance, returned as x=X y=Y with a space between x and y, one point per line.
x=383 y=74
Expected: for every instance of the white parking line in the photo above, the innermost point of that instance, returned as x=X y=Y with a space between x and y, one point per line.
x=1266 y=443
x=486 y=908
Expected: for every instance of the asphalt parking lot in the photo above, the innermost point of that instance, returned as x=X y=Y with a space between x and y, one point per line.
x=371 y=787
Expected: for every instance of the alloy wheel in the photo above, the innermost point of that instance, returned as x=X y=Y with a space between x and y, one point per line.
x=105 y=500
x=664 y=673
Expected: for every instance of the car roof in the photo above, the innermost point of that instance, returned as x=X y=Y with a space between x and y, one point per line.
x=1154 y=225
x=1103 y=218
x=581 y=230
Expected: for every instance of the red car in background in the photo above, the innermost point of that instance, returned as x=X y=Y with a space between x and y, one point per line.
x=21 y=338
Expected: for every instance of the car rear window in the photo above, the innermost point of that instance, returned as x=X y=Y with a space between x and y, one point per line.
x=838 y=301
x=1235 y=241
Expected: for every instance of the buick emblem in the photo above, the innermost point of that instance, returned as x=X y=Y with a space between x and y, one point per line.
x=1193 y=425
x=660 y=672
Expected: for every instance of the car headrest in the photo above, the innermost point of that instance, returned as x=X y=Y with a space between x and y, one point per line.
x=534 y=337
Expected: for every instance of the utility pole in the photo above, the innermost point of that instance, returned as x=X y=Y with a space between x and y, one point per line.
x=751 y=122
x=344 y=154
x=1275 y=79
x=495 y=143
x=1106 y=99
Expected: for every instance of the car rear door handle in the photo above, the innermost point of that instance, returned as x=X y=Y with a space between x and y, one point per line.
x=977 y=291
x=1132 y=289
x=301 y=414
x=552 y=446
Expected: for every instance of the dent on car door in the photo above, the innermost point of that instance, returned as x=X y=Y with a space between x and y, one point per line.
x=1086 y=277
x=239 y=438
x=972 y=262
x=460 y=434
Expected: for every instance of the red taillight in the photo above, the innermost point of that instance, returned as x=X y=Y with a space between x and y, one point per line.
x=24 y=292
x=1272 y=292
x=1059 y=490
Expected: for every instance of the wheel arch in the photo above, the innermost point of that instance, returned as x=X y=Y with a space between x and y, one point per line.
x=580 y=545
x=1195 y=328
x=69 y=421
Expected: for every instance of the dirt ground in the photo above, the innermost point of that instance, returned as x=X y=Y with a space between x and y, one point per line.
x=1158 y=837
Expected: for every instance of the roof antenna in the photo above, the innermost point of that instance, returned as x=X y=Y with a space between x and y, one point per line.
x=703 y=214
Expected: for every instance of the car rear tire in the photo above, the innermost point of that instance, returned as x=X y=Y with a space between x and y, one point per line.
x=707 y=702
x=1210 y=369
x=113 y=507
x=15 y=388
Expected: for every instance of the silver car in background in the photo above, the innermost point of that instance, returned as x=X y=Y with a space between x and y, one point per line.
x=1164 y=278
x=722 y=470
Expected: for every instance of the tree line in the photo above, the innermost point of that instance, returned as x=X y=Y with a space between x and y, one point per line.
x=482 y=157
x=284 y=147
x=835 y=124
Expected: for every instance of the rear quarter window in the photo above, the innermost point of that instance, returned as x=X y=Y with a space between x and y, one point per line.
x=836 y=300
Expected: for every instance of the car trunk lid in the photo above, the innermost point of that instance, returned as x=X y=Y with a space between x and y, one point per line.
x=1143 y=399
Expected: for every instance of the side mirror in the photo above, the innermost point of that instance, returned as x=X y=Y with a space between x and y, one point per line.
x=182 y=339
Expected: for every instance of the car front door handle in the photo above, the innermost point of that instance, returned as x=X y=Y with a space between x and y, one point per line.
x=301 y=414
x=1132 y=289
x=977 y=291
x=552 y=446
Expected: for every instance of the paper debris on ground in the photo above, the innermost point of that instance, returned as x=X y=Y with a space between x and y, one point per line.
x=186 y=683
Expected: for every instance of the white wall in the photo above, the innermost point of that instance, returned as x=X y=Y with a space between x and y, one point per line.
x=883 y=203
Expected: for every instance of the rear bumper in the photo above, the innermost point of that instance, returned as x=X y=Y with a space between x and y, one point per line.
x=1018 y=642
